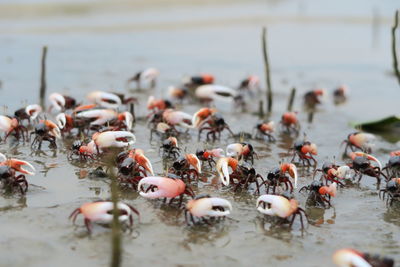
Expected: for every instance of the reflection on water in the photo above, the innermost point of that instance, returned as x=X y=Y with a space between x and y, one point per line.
x=392 y=214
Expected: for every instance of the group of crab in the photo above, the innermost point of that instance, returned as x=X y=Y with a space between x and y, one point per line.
x=105 y=125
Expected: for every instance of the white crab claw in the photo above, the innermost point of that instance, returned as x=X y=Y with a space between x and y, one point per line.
x=206 y=207
x=114 y=139
x=104 y=99
x=61 y=120
x=33 y=111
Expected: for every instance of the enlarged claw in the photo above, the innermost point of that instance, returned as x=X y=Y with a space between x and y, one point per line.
x=201 y=115
x=222 y=167
x=100 y=116
x=343 y=172
x=179 y=118
x=127 y=117
x=61 y=120
x=274 y=205
x=57 y=102
x=234 y=150
x=165 y=187
x=194 y=161
x=114 y=139
x=368 y=156
x=104 y=99
x=7 y=124
x=141 y=159
x=212 y=92
x=33 y=111
x=361 y=140
x=349 y=257
x=209 y=206
x=292 y=170
x=53 y=128
x=17 y=165
x=328 y=190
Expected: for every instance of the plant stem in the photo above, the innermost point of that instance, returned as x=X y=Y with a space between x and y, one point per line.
x=43 y=77
x=267 y=70
x=394 y=53
x=291 y=99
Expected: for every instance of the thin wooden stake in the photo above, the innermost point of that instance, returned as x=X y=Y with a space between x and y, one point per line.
x=132 y=111
x=311 y=116
x=267 y=70
x=291 y=99
x=394 y=53
x=43 y=77
x=261 y=109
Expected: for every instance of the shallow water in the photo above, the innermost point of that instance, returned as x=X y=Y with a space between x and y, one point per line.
x=97 y=47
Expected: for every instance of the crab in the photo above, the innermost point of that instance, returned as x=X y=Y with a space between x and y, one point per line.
x=45 y=131
x=206 y=209
x=240 y=151
x=332 y=173
x=320 y=194
x=305 y=151
x=209 y=155
x=102 y=212
x=392 y=191
x=170 y=148
x=181 y=167
x=282 y=207
x=393 y=166
x=222 y=167
x=12 y=126
x=359 y=140
x=312 y=98
x=214 y=126
x=8 y=173
x=276 y=177
x=156 y=187
x=265 y=130
x=361 y=164
x=244 y=176
x=29 y=113
x=60 y=103
x=84 y=152
x=290 y=123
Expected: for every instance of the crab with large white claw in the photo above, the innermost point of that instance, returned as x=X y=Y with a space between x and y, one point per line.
x=203 y=208
x=280 y=206
x=146 y=78
x=201 y=116
x=141 y=159
x=177 y=118
x=155 y=187
x=59 y=103
x=102 y=212
x=359 y=140
x=348 y=257
x=222 y=167
x=61 y=120
x=11 y=125
x=104 y=99
x=212 y=92
x=99 y=116
x=113 y=139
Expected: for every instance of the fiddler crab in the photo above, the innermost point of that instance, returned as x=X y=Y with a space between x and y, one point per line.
x=392 y=191
x=265 y=129
x=348 y=257
x=170 y=148
x=393 y=166
x=284 y=207
x=45 y=130
x=206 y=209
x=313 y=98
x=8 y=173
x=240 y=151
x=340 y=94
x=244 y=176
x=13 y=126
x=320 y=194
x=359 y=140
x=182 y=167
x=333 y=173
x=209 y=155
x=146 y=78
x=210 y=93
x=222 y=167
x=276 y=177
x=214 y=126
x=101 y=212
x=156 y=187
x=305 y=151
x=29 y=113
x=361 y=164
x=289 y=123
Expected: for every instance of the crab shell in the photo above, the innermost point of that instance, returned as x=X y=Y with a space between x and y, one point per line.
x=114 y=139
x=280 y=206
x=368 y=156
x=349 y=257
x=166 y=187
x=204 y=207
x=101 y=212
x=289 y=118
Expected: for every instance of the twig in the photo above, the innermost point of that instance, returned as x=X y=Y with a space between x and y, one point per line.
x=291 y=99
x=261 y=109
x=132 y=110
x=116 y=225
x=267 y=70
x=43 y=77
x=395 y=62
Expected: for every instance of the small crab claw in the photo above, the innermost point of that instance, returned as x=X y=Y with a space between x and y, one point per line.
x=104 y=99
x=200 y=116
x=17 y=165
x=114 y=139
x=127 y=117
x=61 y=120
x=343 y=172
x=33 y=111
x=292 y=170
x=349 y=257
x=234 y=150
x=53 y=128
x=210 y=206
x=166 y=187
x=222 y=167
x=194 y=161
x=328 y=190
x=57 y=102
x=278 y=205
x=142 y=160
x=368 y=156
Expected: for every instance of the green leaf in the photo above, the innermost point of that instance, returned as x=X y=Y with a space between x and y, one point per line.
x=388 y=128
